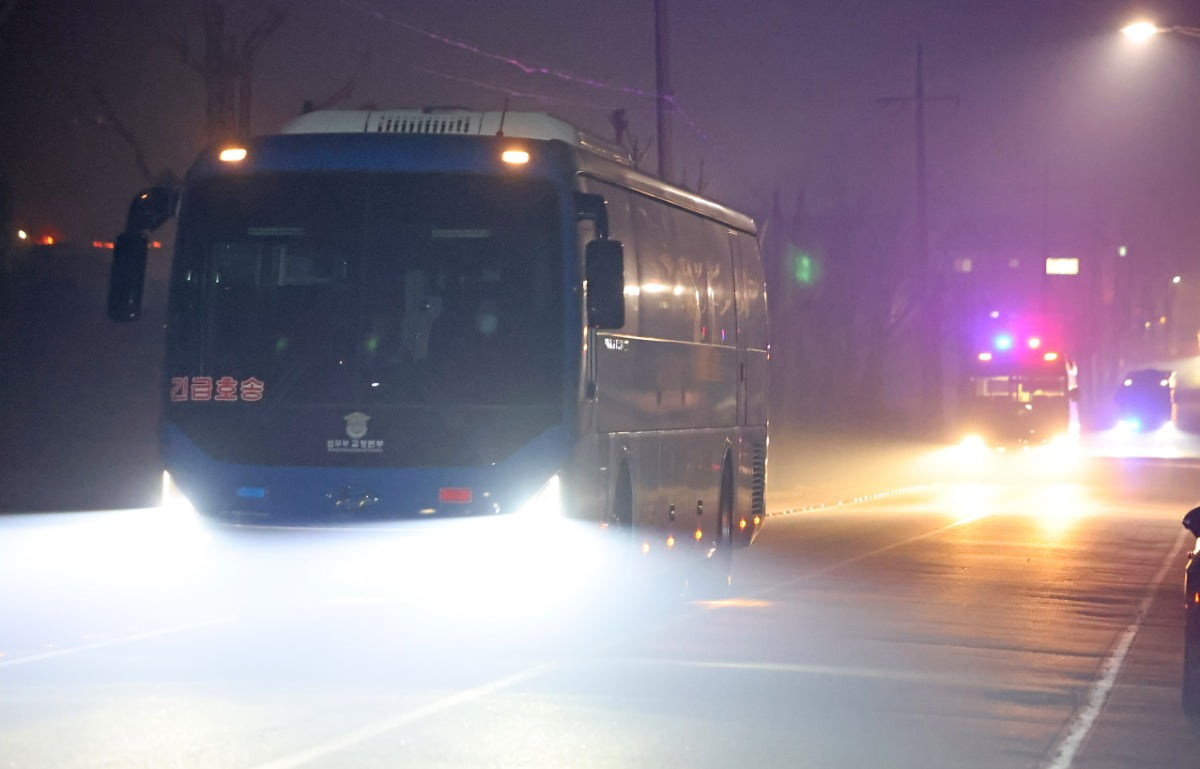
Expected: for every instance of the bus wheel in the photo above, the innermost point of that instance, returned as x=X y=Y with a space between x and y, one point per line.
x=710 y=579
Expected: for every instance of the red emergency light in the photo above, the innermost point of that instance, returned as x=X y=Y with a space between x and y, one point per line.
x=454 y=496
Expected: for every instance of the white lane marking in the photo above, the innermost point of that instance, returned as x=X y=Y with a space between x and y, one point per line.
x=797 y=668
x=370 y=731
x=1084 y=719
x=823 y=570
x=4 y=663
x=817 y=506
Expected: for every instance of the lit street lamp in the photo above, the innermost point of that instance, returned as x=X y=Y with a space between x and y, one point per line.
x=1141 y=31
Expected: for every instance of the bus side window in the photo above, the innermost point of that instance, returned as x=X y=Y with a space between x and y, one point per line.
x=718 y=265
x=668 y=304
x=751 y=295
x=694 y=252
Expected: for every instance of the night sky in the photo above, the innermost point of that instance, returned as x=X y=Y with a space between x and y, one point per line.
x=1061 y=134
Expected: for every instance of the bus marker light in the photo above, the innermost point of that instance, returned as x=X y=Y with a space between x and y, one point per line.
x=699 y=535
x=671 y=541
x=1034 y=342
x=757 y=519
x=985 y=356
x=1050 y=356
x=515 y=157
x=232 y=155
x=454 y=496
x=742 y=524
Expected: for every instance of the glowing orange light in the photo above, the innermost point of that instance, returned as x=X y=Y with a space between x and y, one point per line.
x=699 y=535
x=1195 y=597
x=153 y=244
x=757 y=519
x=515 y=157
x=742 y=524
x=985 y=356
x=671 y=541
x=47 y=240
x=232 y=155
x=1050 y=356
x=645 y=548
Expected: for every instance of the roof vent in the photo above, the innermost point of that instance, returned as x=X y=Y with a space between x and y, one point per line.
x=393 y=123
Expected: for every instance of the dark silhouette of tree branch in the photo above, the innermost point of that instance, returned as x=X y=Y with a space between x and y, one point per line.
x=626 y=139
x=226 y=67
x=344 y=92
x=245 y=63
x=110 y=120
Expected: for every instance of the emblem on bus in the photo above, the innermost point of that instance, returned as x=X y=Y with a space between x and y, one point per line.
x=356 y=424
x=356 y=429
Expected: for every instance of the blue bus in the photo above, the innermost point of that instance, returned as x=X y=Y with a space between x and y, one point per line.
x=443 y=313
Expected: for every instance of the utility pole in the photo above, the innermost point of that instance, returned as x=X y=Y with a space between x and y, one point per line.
x=662 y=68
x=928 y=280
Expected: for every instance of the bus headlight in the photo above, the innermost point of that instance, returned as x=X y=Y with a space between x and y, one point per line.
x=546 y=504
x=172 y=498
x=973 y=442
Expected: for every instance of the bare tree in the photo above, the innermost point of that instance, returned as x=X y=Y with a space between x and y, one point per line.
x=344 y=92
x=227 y=67
x=107 y=118
x=701 y=182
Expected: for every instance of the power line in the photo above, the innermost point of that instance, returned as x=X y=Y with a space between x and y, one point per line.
x=524 y=67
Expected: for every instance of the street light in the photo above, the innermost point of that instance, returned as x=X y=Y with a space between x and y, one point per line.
x=1141 y=31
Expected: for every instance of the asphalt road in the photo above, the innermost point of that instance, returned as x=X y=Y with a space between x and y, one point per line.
x=1008 y=611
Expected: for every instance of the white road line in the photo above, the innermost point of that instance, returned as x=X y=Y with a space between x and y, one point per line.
x=795 y=668
x=358 y=736
x=823 y=570
x=4 y=663
x=1084 y=719
x=856 y=500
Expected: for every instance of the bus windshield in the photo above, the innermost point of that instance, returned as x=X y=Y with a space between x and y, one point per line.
x=399 y=290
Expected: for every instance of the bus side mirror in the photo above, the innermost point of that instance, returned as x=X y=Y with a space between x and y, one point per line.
x=147 y=212
x=127 y=278
x=150 y=209
x=605 y=274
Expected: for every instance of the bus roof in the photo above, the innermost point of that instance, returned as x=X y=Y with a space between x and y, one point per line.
x=597 y=157
x=454 y=122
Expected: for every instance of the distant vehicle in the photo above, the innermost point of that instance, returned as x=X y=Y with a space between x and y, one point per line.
x=446 y=313
x=1146 y=398
x=1017 y=387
